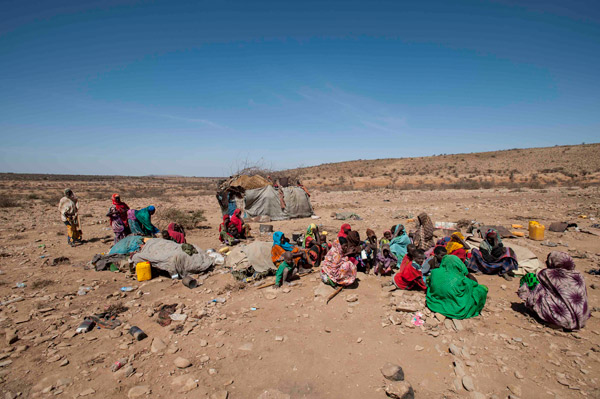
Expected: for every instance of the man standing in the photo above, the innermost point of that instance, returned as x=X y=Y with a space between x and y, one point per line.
x=68 y=208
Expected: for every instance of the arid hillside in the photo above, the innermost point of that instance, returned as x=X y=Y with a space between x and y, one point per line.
x=533 y=168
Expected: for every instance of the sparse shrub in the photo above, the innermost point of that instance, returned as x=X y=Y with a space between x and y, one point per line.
x=188 y=219
x=7 y=202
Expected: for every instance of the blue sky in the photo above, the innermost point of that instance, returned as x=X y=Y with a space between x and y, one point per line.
x=196 y=88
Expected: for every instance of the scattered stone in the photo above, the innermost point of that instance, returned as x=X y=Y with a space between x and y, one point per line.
x=419 y=348
x=515 y=389
x=53 y=359
x=467 y=382
x=327 y=329
x=139 y=391
x=359 y=340
x=457 y=325
x=212 y=371
x=87 y=392
x=158 y=345
x=392 y=372
x=477 y=395
x=5 y=363
x=11 y=337
x=400 y=390
x=279 y=338
x=273 y=394
x=125 y=372
x=186 y=382
x=24 y=318
x=352 y=298
x=396 y=319
x=220 y=395
x=562 y=379
x=182 y=363
x=246 y=347
x=455 y=350
x=64 y=363
x=519 y=375
x=203 y=343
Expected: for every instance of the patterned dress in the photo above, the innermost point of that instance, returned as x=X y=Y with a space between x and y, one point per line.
x=336 y=268
x=560 y=298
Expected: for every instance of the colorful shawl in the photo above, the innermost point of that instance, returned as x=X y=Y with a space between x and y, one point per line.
x=457 y=241
x=176 y=235
x=343 y=229
x=121 y=208
x=423 y=238
x=408 y=277
x=309 y=233
x=337 y=267
x=286 y=246
x=143 y=216
x=235 y=219
x=451 y=293
x=560 y=298
x=399 y=243
x=354 y=244
x=385 y=263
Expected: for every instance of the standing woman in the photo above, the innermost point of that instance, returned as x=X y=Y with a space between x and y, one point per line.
x=69 y=207
x=121 y=208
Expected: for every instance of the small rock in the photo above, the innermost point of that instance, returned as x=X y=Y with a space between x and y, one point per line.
x=457 y=325
x=182 y=363
x=352 y=298
x=359 y=340
x=467 y=382
x=515 y=389
x=246 y=347
x=64 y=363
x=477 y=395
x=419 y=348
x=203 y=343
x=392 y=372
x=158 y=345
x=503 y=286
x=519 y=375
x=400 y=390
x=212 y=371
x=220 y=395
x=186 y=383
x=562 y=379
x=11 y=337
x=327 y=329
x=139 y=391
x=87 y=392
x=273 y=394
x=455 y=350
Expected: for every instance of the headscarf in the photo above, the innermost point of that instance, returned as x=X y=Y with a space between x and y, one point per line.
x=371 y=233
x=336 y=268
x=399 y=243
x=451 y=293
x=67 y=191
x=176 y=235
x=121 y=208
x=143 y=216
x=408 y=277
x=485 y=245
x=456 y=242
x=342 y=232
x=277 y=236
x=424 y=234
x=235 y=219
x=310 y=233
x=354 y=246
x=560 y=298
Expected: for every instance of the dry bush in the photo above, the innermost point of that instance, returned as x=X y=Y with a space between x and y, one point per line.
x=8 y=202
x=187 y=219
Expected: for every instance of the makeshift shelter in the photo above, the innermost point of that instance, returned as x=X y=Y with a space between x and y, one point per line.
x=169 y=256
x=256 y=196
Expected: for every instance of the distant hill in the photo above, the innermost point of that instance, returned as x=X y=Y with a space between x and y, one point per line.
x=532 y=167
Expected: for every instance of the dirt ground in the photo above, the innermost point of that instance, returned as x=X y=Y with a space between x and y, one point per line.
x=288 y=342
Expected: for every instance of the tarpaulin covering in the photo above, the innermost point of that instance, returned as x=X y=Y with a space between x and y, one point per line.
x=168 y=256
x=266 y=202
x=256 y=254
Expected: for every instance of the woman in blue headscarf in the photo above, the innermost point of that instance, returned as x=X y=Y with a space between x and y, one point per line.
x=282 y=245
x=144 y=218
x=399 y=242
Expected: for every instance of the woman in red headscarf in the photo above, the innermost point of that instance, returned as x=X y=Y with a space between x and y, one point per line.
x=121 y=208
x=344 y=230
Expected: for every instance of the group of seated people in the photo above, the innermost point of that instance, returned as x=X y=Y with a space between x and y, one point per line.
x=233 y=228
x=126 y=221
x=445 y=270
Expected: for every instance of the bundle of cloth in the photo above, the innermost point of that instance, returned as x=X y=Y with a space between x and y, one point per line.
x=557 y=294
x=250 y=260
x=174 y=258
x=451 y=293
x=493 y=257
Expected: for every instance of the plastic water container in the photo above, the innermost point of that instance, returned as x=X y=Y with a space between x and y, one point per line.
x=143 y=271
x=536 y=231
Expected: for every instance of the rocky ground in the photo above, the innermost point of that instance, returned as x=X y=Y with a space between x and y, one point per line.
x=287 y=343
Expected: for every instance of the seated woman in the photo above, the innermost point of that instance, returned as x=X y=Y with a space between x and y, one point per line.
x=242 y=230
x=344 y=230
x=399 y=242
x=557 y=294
x=435 y=260
x=311 y=232
x=314 y=252
x=410 y=277
x=423 y=237
x=493 y=257
x=458 y=247
x=452 y=293
x=176 y=232
x=281 y=245
x=224 y=232
x=337 y=269
x=385 y=261
x=370 y=249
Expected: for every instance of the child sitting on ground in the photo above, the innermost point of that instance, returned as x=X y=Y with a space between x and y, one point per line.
x=385 y=261
x=433 y=262
x=286 y=270
x=387 y=237
x=418 y=258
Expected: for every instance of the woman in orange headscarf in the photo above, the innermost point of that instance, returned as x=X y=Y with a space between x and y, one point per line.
x=458 y=247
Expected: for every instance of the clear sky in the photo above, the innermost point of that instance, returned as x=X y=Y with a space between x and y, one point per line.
x=193 y=87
